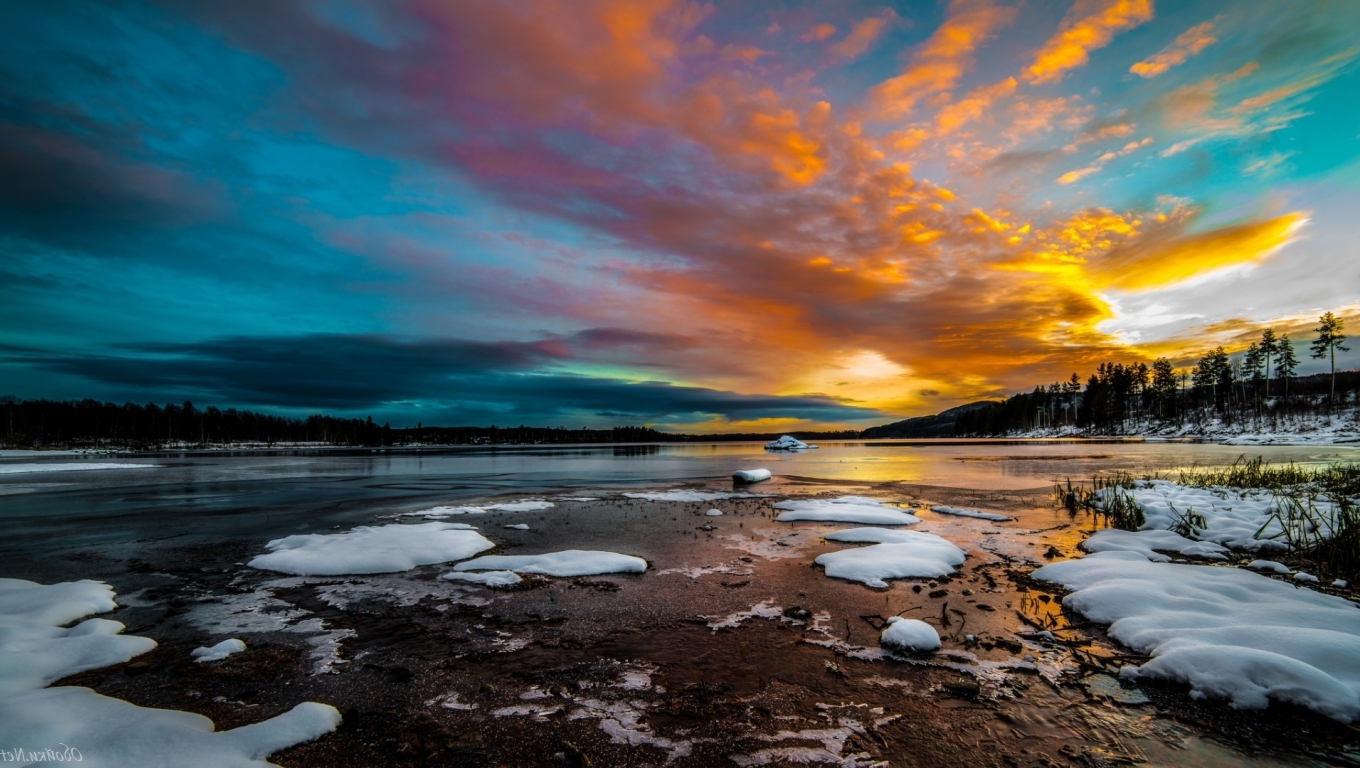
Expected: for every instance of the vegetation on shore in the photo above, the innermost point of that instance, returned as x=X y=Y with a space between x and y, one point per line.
x=1257 y=390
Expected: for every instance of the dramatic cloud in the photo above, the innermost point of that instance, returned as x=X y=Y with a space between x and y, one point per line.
x=555 y=209
x=369 y=373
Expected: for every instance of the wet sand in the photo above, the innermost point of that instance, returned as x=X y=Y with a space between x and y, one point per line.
x=732 y=649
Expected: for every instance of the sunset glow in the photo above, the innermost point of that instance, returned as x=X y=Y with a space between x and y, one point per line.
x=704 y=216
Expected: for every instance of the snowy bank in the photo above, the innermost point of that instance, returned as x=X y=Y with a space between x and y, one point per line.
x=894 y=555
x=108 y=731
x=1150 y=543
x=846 y=509
x=369 y=549
x=571 y=562
x=1227 y=632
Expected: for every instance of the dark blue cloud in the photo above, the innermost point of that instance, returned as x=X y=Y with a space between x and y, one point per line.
x=454 y=381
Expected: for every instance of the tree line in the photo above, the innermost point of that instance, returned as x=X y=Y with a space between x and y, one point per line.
x=1119 y=398
x=91 y=423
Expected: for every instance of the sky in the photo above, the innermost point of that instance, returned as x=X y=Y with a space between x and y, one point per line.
x=706 y=217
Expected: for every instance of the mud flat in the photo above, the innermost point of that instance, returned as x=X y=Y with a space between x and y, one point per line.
x=732 y=648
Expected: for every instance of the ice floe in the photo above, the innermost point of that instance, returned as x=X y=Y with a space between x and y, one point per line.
x=1227 y=632
x=486 y=578
x=37 y=650
x=751 y=475
x=910 y=635
x=846 y=509
x=371 y=549
x=517 y=527
x=1150 y=544
x=571 y=562
x=76 y=466
x=218 y=652
x=896 y=555
x=975 y=513
x=690 y=495
x=787 y=443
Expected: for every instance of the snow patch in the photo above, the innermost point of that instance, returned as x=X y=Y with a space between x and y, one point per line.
x=678 y=494
x=369 y=549
x=714 y=513
x=846 y=509
x=751 y=475
x=38 y=650
x=571 y=562
x=218 y=652
x=1227 y=632
x=900 y=555
x=910 y=635
x=1150 y=544
x=528 y=505
x=17 y=469
x=486 y=578
x=974 y=513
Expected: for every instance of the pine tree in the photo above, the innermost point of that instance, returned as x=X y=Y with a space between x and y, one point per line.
x=1251 y=363
x=1328 y=341
x=1285 y=362
x=1270 y=346
x=1163 y=386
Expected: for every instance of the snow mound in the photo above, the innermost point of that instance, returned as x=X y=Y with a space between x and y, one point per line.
x=898 y=555
x=714 y=513
x=910 y=635
x=37 y=650
x=371 y=549
x=846 y=509
x=975 y=513
x=218 y=652
x=1269 y=566
x=787 y=443
x=571 y=562
x=751 y=475
x=686 y=495
x=517 y=527
x=15 y=469
x=1150 y=544
x=1227 y=632
x=486 y=578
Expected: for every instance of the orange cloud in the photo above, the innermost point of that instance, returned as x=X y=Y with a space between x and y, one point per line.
x=862 y=35
x=939 y=62
x=1085 y=30
x=1187 y=44
x=971 y=107
x=818 y=33
x=1158 y=264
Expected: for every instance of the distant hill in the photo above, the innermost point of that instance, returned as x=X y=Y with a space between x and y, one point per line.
x=939 y=425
